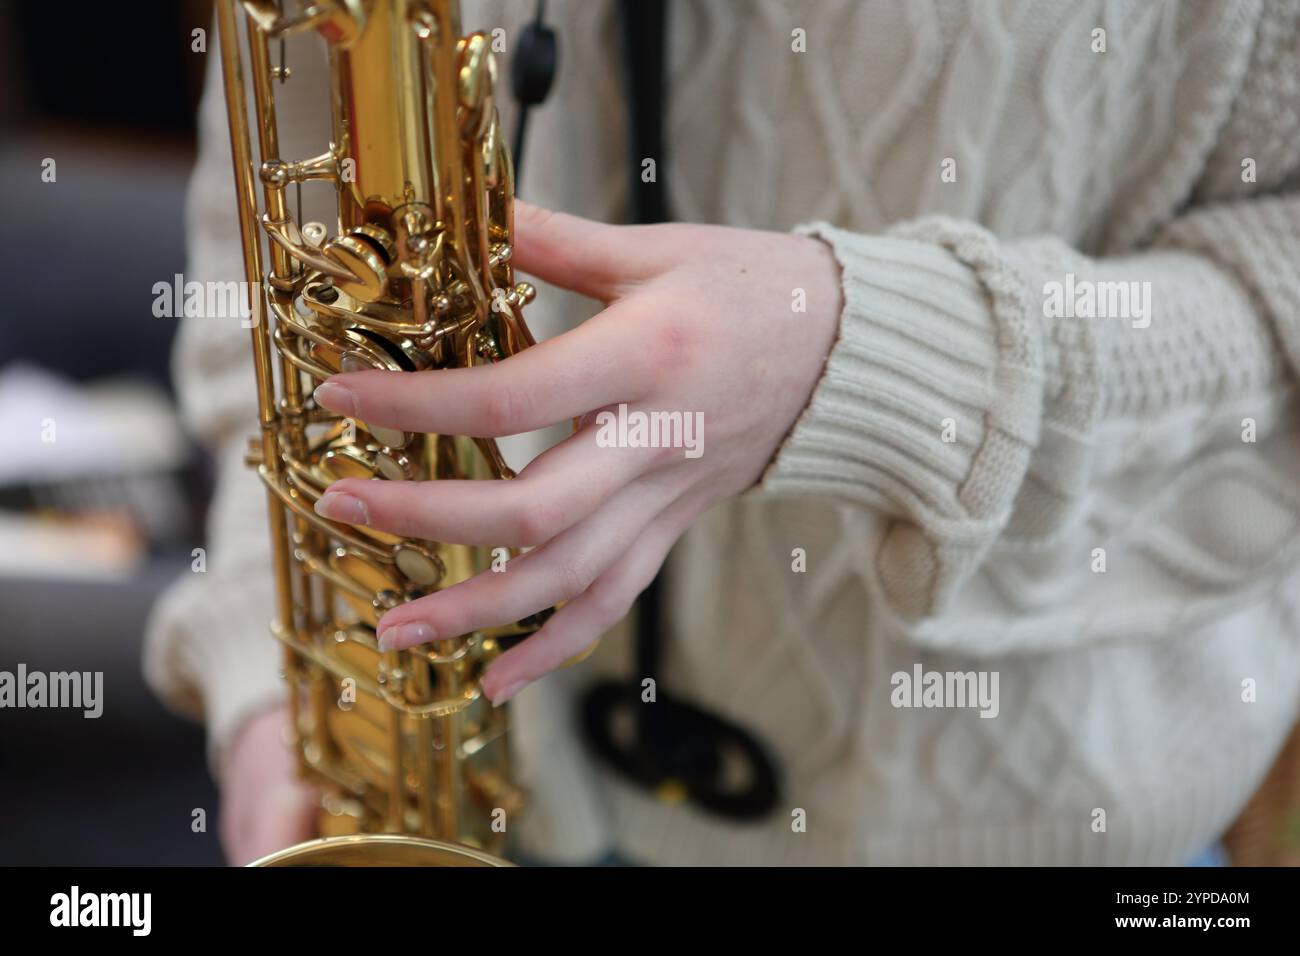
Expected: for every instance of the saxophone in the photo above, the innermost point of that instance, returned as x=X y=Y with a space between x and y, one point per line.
x=410 y=758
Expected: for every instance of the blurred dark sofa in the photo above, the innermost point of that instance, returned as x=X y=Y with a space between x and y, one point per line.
x=108 y=91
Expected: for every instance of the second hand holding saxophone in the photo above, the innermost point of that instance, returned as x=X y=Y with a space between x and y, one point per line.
x=415 y=275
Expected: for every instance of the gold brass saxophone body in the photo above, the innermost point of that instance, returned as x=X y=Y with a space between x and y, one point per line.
x=415 y=274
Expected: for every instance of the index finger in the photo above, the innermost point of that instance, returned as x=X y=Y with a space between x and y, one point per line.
x=559 y=379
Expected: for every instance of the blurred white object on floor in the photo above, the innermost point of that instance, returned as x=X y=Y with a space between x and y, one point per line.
x=52 y=429
x=105 y=547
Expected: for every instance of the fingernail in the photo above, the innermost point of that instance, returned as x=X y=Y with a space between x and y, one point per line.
x=336 y=397
x=503 y=695
x=401 y=636
x=342 y=507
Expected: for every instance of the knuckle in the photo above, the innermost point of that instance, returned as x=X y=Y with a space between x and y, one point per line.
x=665 y=454
x=608 y=607
x=574 y=577
x=536 y=521
x=533 y=217
x=384 y=512
x=452 y=617
x=506 y=409
x=356 y=487
x=670 y=348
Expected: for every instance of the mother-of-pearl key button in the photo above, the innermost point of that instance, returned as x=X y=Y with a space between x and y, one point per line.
x=355 y=362
x=394 y=467
x=417 y=564
x=391 y=437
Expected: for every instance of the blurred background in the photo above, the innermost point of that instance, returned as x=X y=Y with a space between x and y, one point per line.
x=101 y=497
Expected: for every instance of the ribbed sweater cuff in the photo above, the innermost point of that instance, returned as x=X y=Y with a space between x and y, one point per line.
x=930 y=401
x=211 y=654
x=209 y=651
x=1259 y=242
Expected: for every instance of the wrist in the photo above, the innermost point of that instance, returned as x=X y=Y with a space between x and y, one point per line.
x=927 y=409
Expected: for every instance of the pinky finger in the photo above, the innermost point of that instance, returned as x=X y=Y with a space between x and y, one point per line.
x=581 y=622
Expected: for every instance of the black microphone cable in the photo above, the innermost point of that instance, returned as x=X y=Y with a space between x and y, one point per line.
x=673 y=748
x=532 y=71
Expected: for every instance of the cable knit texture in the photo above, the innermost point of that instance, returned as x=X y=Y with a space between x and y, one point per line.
x=1102 y=509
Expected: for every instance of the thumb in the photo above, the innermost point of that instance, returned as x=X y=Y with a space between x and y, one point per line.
x=584 y=256
x=283 y=815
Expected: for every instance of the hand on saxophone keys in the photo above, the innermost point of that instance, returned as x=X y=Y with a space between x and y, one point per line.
x=698 y=332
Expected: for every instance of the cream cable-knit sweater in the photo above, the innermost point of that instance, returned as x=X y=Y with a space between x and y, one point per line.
x=1120 y=690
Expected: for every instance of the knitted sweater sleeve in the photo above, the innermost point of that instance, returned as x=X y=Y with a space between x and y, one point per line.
x=208 y=647
x=1051 y=464
x=972 y=421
